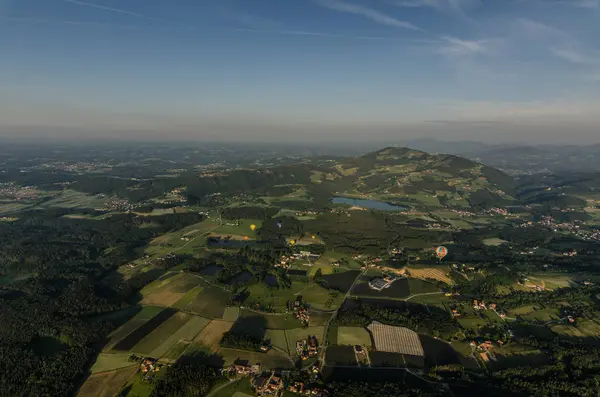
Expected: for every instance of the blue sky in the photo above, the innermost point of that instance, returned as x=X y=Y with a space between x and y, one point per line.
x=292 y=70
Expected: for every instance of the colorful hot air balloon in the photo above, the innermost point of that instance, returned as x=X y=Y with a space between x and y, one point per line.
x=441 y=252
x=279 y=224
x=245 y=237
x=252 y=227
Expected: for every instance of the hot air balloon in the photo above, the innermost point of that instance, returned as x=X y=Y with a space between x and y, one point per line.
x=292 y=242
x=441 y=252
x=252 y=227
x=279 y=224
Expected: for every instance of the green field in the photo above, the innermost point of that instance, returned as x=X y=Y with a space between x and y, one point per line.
x=7 y=208
x=231 y=313
x=135 y=322
x=242 y=230
x=175 y=351
x=542 y=315
x=278 y=339
x=274 y=321
x=294 y=335
x=111 y=361
x=211 y=301
x=270 y=360
x=353 y=336
x=72 y=199
x=179 y=326
x=169 y=291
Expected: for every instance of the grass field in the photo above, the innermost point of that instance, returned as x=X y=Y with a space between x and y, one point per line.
x=111 y=361
x=340 y=355
x=276 y=299
x=278 y=339
x=185 y=333
x=231 y=313
x=542 y=315
x=134 y=323
x=211 y=335
x=238 y=388
x=7 y=208
x=270 y=360
x=421 y=287
x=133 y=338
x=319 y=318
x=176 y=351
x=72 y=199
x=106 y=384
x=294 y=335
x=440 y=274
x=321 y=298
x=353 y=336
x=162 y=333
x=274 y=321
x=169 y=291
x=242 y=230
x=210 y=301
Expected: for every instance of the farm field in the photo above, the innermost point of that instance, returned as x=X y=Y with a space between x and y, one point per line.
x=170 y=290
x=242 y=230
x=174 y=326
x=353 y=336
x=134 y=323
x=7 y=208
x=106 y=384
x=278 y=339
x=440 y=274
x=210 y=301
x=438 y=352
x=341 y=281
x=439 y=300
x=73 y=199
x=111 y=361
x=133 y=338
x=273 y=321
x=276 y=299
x=396 y=339
x=294 y=335
x=211 y=335
x=231 y=313
x=340 y=355
x=421 y=287
x=270 y=360
x=319 y=318
x=176 y=351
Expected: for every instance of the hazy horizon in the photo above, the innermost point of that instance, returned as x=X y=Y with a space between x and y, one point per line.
x=514 y=71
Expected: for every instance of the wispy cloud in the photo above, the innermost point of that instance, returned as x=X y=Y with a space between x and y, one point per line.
x=455 y=46
x=439 y=5
x=115 y=10
x=592 y=4
x=71 y=22
x=558 y=42
x=370 y=13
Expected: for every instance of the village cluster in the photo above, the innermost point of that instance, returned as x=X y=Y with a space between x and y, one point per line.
x=272 y=383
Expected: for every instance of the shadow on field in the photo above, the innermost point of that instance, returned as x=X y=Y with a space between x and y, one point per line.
x=202 y=358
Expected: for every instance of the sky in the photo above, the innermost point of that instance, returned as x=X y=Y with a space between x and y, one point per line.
x=498 y=71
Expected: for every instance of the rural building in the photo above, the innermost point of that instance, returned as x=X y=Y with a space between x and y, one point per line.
x=379 y=284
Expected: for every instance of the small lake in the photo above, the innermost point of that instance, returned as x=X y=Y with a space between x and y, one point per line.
x=371 y=204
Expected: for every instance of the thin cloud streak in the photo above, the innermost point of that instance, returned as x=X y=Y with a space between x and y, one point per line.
x=366 y=12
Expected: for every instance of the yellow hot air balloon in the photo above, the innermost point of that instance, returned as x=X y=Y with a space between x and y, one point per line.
x=314 y=237
x=292 y=242
x=253 y=227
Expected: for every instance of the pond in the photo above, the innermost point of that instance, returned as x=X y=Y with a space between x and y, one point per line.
x=241 y=278
x=371 y=204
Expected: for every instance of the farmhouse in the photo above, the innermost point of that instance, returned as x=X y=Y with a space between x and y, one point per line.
x=379 y=284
